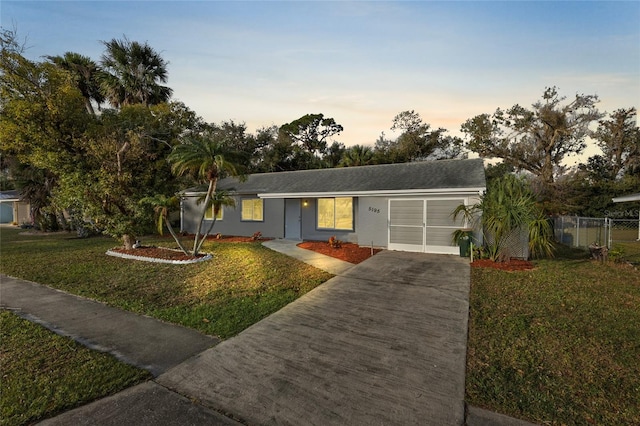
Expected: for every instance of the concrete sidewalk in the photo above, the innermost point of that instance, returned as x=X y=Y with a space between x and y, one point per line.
x=135 y=339
x=320 y=261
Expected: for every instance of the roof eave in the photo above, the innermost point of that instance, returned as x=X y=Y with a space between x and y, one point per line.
x=377 y=193
x=632 y=197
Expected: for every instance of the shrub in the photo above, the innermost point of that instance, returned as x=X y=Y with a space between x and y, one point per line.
x=334 y=242
x=616 y=254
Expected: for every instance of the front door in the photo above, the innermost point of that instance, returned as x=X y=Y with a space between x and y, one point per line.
x=292 y=224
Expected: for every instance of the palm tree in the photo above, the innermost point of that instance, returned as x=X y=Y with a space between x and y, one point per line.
x=507 y=207
x=133 y=73
x=203 y=156
x=162 y=206
x=86 y=75
x=357 y=155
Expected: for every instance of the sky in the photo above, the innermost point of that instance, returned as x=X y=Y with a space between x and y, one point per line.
x=360 y=62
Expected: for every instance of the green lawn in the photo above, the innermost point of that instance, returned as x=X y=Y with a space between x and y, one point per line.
x=243 y=283
x=557 y=345
x=43 y=373
x=628 y=251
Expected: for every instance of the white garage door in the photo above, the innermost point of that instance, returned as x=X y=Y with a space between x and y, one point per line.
x=423 y=225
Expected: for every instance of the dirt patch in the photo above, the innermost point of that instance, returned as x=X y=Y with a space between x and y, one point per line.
x=509 y=265
x=349 y=252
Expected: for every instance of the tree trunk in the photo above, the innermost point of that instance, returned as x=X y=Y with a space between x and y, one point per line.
x=210 y=191
x=206 y=233
x=87 y=104
x=120 y=155
x=127 y=241
x=546 y=171
x=175 y=237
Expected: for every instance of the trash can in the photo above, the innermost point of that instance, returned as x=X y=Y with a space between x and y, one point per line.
x=464 y=242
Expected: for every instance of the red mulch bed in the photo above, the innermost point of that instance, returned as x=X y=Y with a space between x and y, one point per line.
x=509 y=265
x=349 y=252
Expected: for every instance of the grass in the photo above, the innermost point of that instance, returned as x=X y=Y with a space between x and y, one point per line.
x=556 y=345
x=43 y=373
x=243 y=283
x=627 y=251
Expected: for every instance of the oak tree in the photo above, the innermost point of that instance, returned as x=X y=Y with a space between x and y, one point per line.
x=535 y=139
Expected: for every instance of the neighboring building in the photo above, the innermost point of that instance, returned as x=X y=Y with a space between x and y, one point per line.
x=12 y=209
x=405 y=206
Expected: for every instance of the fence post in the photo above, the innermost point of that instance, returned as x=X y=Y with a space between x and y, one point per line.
x=577 y=231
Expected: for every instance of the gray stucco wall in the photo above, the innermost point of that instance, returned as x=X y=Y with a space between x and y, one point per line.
x=372 y=221
x=272 y=225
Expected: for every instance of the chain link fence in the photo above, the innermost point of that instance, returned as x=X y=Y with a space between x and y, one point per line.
x=624 y=237
x=617 y=234
x=576 y=231
x=623 y=230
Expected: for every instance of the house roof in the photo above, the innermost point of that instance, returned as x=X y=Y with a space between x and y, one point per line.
x=630 y=197
x=408 y=178
x=12 y=195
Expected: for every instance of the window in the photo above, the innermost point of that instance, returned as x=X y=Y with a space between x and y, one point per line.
x=208 y=215
x=335 y=213
x=252 y=209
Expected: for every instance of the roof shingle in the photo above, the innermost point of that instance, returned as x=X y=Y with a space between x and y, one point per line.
x=425 y=175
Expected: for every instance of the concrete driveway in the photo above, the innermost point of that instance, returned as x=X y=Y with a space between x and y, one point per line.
x=383 y=343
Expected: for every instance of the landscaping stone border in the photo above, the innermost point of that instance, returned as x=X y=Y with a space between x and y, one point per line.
x=157 y=260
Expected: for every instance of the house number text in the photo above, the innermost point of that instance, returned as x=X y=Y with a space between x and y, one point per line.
x=373 y=209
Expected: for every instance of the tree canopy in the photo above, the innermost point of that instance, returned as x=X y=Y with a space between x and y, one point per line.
x=132 y=73
x=67 y=153
x=588 y=190
x=86 y=77
x=312 y=132
x=89 y=165
x=417 y=142
x=537 y=139
x=619 y=139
